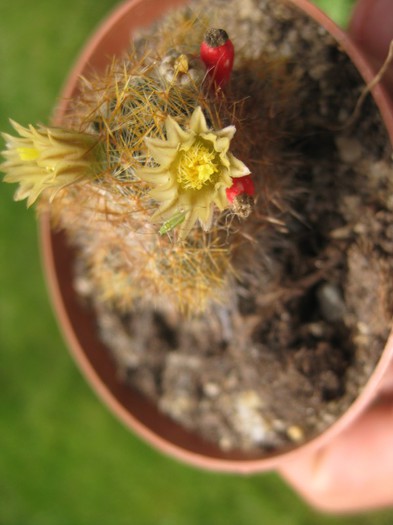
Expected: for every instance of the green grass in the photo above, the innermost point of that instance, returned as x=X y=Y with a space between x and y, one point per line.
x=339 y=10
x=64 y=459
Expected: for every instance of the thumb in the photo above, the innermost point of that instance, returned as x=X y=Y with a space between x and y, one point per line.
x=355 y=472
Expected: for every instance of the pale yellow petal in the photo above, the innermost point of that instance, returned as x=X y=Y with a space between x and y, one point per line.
x=175 y=134
x=162 y=152
x=222 y=144
x=221 y=199
x=198 y=122
x=227 y=132
x=225 y=180
x=163 y=194
x=205 y=214
x=154 y=175
x=187 y=225
x=237 y=167
x=165 y=211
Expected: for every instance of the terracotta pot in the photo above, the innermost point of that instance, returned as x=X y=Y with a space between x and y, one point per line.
x=78 y=325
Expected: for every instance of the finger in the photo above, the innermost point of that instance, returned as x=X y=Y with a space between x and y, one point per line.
x=371 y=28
x=355 y=472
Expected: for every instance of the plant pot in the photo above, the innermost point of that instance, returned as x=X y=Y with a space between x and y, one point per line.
x=78 y=324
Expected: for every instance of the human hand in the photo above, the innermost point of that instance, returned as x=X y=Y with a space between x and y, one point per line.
x=355 y=471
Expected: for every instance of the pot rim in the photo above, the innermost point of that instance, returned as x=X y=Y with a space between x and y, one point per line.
x=93 y=54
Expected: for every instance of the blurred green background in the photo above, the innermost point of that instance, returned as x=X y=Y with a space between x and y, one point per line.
x=64 y=459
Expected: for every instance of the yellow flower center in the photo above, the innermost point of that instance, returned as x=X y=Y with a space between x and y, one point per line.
x=196 y=167
x=28 y=154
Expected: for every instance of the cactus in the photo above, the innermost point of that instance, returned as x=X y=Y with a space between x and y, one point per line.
x=142 y=178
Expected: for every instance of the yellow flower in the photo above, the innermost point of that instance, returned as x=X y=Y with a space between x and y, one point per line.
x=195 y=168
x=47 y=159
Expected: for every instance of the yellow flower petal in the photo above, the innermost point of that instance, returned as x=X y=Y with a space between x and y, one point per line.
x=237 y=167
x=166 y=210
x=162 y=152
x=198 y=122
x=157 y=175
x=227 y=132
x=175 y=134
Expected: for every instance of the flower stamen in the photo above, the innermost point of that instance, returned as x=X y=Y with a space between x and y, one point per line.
x=196 y=167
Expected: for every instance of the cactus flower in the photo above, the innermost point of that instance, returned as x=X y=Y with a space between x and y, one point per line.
x=193 y=169
x=47 y=159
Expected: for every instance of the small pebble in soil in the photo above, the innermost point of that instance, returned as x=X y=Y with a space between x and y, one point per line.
x=248 y=420
x=331 y=302
x=349 y=149
x=295 y=434
x=211 y=389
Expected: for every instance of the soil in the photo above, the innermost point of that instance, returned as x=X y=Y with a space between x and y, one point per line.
x=285 y=358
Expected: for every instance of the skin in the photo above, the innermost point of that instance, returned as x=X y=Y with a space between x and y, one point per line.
x=354 y=473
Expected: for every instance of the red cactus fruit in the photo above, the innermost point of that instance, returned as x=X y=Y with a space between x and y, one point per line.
x=240 y=185
x=217 y=52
